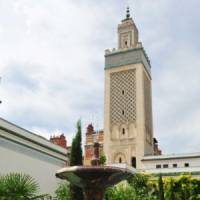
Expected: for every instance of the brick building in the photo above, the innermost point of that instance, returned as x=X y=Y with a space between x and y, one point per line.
x=92 y=136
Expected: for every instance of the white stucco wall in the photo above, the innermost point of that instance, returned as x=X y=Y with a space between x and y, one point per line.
x=149 y=165
x=19 y=158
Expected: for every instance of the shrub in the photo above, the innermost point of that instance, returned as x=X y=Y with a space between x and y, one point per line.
x=16 y=186
x=63 y=191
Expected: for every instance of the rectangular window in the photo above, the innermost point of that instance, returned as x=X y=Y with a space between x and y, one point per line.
x=133 y=162
x=158 y=166
x=187 y=165
x=174 y=165
x=165 y=166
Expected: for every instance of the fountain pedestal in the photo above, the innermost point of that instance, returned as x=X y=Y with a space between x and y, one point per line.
x=97 y=194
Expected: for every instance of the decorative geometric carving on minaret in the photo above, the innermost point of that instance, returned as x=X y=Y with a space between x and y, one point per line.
x=123 y=97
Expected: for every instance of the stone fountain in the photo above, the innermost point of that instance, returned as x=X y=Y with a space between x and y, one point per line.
x=95 y=179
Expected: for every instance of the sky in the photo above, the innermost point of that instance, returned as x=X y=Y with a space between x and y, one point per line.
x=52 y=64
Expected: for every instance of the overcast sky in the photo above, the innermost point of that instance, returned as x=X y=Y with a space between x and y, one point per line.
x=52 y=64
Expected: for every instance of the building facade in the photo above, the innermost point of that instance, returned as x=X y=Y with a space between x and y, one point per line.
x=91 y=137
x=22 y=151
x=173 y=164
x=128 y=126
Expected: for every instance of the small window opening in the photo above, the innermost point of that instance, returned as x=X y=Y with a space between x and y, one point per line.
x=158 y=166
x=122 y=112
x=187 y=165
x=165 y=166
x=123 y=131
x=174 y=165
x=133 y=162
x=126 y=43
x=120 y=160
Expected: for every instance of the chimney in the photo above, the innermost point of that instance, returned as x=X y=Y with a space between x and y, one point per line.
x=59 y=140
x=90 y=129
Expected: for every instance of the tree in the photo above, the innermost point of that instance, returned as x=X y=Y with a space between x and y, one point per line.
x=76 y=159
x=160 y=185
x=16 y=186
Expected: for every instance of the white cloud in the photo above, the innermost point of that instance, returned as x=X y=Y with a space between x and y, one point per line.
x=52 y=61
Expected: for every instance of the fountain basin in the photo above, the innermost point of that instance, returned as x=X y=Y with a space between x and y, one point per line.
x=94 y=179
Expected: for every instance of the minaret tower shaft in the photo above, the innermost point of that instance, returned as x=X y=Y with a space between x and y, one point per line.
x=128 y=125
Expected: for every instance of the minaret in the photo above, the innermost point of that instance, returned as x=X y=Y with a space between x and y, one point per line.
x=128 y=126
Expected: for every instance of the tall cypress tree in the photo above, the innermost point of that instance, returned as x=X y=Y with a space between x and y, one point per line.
x=76 y=149
x=76 y=159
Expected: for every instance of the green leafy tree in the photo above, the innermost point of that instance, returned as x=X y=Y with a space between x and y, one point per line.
x=76 y=159
x=16 y=186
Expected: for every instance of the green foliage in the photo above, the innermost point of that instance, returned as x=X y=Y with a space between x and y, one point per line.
x=63 y=191
x=139 y=182
x=143 y=187
x=76 y=149
x=126 y=191
x=186 y=188
x=183 y=187
x=120 y=192
x=102 y=159
x=16 y=186
x=160 y=186
x=170 y=190
x=76 y=159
